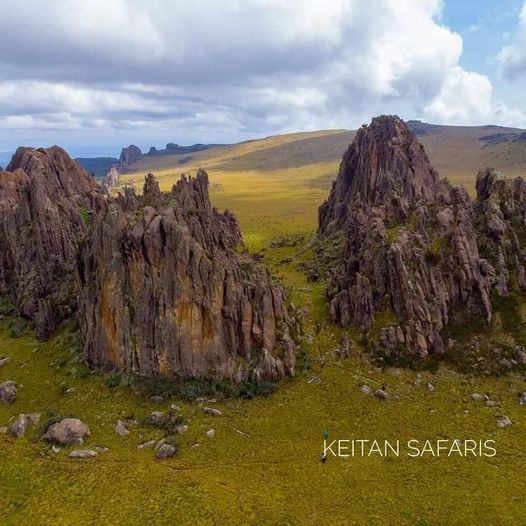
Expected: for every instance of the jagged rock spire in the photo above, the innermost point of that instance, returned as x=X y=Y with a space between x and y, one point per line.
x=411 y=247
x=46 y=203
x=385 y=165
x=165 y=292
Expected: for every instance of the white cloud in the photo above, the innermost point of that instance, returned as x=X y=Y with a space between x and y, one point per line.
x=513 y=56
x=467 y=98
x=241 y=67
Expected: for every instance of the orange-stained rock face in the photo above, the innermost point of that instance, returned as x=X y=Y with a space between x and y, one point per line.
x=45 y=199
x=183 y=302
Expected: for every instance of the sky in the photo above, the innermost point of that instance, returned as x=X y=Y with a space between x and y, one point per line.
x=95 y=76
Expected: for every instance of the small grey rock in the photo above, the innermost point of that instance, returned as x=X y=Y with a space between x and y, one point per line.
x=164 y=450
x=121 y=429
x=55 y=449
x=212 y=411
x=211 y=433
x=156 y=417
x=147 y=445
x=19 y=427
x=478 y=397
x=522 y=398
x=101 y=449
x=491 y=403
x=82 y=453
x=7 y=392
x=430 y=387
x=175 y=407
x=366 y=390
x=381 y=394
x=182 y=429
x=503 y=421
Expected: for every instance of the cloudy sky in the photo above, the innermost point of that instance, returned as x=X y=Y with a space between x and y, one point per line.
x=93 y=76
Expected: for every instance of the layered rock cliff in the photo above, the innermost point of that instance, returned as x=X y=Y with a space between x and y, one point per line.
x=164 y=290
x=417 y=250
x=46 y=202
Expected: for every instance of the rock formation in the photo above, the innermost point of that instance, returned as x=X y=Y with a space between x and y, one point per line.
x=46 y=201
x=416 y=249
x=110 y=179
x=128 y=156
x=164 y=291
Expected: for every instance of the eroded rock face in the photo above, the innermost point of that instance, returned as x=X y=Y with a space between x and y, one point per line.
x=164 y=291
x=412 y=251
x=46 y=200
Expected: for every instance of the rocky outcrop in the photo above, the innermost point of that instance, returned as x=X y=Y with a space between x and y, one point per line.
x=110 y=179
x=416 y=249
x=129 y=155
x=46 y=202
x=165 y=291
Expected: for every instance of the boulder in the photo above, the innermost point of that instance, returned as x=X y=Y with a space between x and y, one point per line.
x=121 y=429
x=165 y=449
x=503 y=421
x=67 y=431
x=7 y=392
x=19 y=427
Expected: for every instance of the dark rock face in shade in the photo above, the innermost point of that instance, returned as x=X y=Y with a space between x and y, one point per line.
x=416 y=249
x=165 y=290
x=46 y=202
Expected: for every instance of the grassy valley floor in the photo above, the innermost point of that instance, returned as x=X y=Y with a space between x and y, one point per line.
x=274 y=475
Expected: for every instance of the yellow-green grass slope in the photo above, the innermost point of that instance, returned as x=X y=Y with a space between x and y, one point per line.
x=274 y=476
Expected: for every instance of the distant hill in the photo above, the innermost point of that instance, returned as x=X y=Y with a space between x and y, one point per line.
x=175 y=149
x=98 y=166
x=457 y=152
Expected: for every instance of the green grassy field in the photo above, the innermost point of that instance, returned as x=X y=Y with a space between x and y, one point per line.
x=274 y=476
